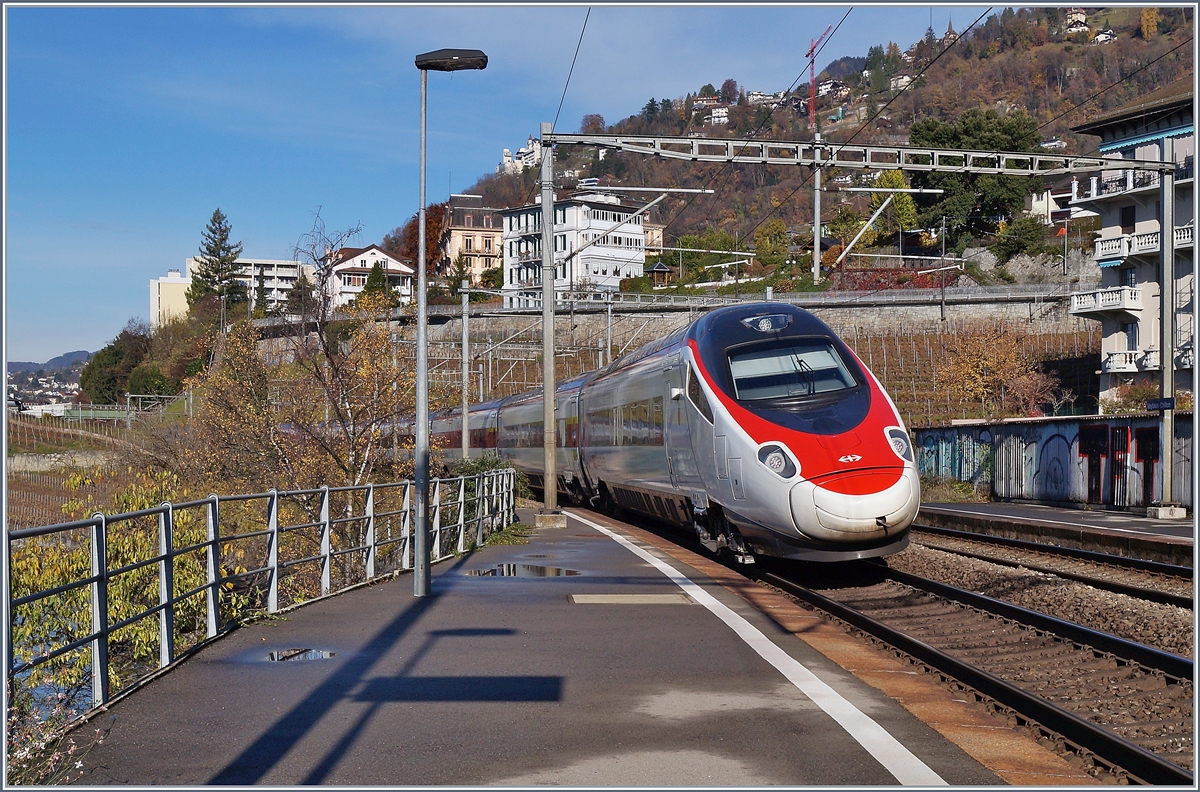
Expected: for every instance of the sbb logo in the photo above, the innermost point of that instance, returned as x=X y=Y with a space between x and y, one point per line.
x=849 y=458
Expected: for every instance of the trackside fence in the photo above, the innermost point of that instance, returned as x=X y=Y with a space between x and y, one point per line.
x=117 y=597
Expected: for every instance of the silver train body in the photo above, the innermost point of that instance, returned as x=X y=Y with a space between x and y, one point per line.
x=755 y=426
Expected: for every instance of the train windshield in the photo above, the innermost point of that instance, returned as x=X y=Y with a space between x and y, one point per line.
x=805 y=367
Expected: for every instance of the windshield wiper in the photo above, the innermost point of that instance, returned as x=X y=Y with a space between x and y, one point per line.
x=806 y=373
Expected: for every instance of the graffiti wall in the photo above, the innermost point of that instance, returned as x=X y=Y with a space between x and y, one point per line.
x=1112 y=460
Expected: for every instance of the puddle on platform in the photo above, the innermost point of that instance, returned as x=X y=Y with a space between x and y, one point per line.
x=523 y=571
x=300 y=654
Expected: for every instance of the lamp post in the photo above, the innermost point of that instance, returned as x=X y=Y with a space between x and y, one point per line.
x=439 y=60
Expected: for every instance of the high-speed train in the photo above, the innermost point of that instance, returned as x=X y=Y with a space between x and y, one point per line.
x=755 y=425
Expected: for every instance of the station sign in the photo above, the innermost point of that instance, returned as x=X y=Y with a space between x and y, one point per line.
x=1158 y=405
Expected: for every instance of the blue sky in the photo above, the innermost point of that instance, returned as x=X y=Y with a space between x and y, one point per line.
x=126 y=127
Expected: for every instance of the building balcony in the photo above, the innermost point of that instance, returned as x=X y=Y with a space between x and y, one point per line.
x=1185 y=358
x=1130 y=361
x=1114 y=183
x=1146 y=243
x=1122 y=299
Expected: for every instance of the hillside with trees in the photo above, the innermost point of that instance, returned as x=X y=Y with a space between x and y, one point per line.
x=1016 y=80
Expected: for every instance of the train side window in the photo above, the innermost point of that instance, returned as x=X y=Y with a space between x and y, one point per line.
x=696 y=394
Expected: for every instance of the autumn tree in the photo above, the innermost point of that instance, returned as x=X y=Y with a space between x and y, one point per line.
x=592 y=124
x=729 y=91
x=984 y=365
x=1149 y=23
x=105 y=379
x=216 y=271
x=901 y=213
x=403 y=242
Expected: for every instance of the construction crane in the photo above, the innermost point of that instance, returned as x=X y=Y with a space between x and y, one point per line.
x=812 y=77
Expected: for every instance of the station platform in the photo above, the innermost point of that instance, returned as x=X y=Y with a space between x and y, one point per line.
x=597 y=654
x=1118 y=532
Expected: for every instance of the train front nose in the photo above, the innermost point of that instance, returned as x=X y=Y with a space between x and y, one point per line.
x=857 y=505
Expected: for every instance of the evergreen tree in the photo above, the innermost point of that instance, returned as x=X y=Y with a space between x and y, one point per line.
x=300 y=300
x=377 y=283
x=218 y=269
x=260 y=295
x=459 y=272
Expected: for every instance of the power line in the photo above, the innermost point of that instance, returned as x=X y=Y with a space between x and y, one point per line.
x=1114 y=85
x=572 y=69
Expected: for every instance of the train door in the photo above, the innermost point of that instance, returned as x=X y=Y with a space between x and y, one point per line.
x=675 y=417
x=1119 y=467
x=1093 y=446
x=700 y=429
x=1146 y=442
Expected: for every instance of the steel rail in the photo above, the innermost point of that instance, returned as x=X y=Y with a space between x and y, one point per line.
x=1116 y=587
x=1139 y=763
x=1140 y=564
x=1167 y=662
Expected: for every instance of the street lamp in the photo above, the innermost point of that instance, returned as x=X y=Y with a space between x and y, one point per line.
x=439 y=60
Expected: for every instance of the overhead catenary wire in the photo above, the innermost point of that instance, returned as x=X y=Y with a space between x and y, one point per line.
x=838 y=146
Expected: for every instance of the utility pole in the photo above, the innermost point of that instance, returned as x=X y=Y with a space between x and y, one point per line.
x=1168 y=506
x=549 y=517
x=466 y=374
x=816 y=268
x=608 y=329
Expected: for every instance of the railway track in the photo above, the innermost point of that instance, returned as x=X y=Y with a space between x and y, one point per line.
x=1121 y=706
x=1146 y=580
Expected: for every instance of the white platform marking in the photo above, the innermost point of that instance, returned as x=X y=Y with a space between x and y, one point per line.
x=886 y=749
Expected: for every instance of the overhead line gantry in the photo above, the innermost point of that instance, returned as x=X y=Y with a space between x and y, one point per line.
x=861 y=157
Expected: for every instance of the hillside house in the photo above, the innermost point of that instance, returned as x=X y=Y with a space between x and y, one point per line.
x=475 y=232
x=350 y=267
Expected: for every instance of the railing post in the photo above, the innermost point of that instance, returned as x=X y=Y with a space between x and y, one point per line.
x=406 y=528
x=272 y=550
x=480 y=503
x=166 y=586
x=212 y=557
x=370 y=538
x=326 y=560
x=99 y=610
x=436 y=530
x=462 y=513
x=511 y=515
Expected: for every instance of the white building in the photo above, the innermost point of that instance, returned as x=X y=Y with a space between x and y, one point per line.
x=578 y=220
x=719 y=115
x=527 y=156
x=168 y=296
x=1128 y=305
x=350 y=267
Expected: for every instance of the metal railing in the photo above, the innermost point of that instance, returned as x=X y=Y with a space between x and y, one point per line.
x=298 y=545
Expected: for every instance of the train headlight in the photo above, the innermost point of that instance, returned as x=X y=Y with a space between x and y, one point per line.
x=900 y=444
x=776 y=461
